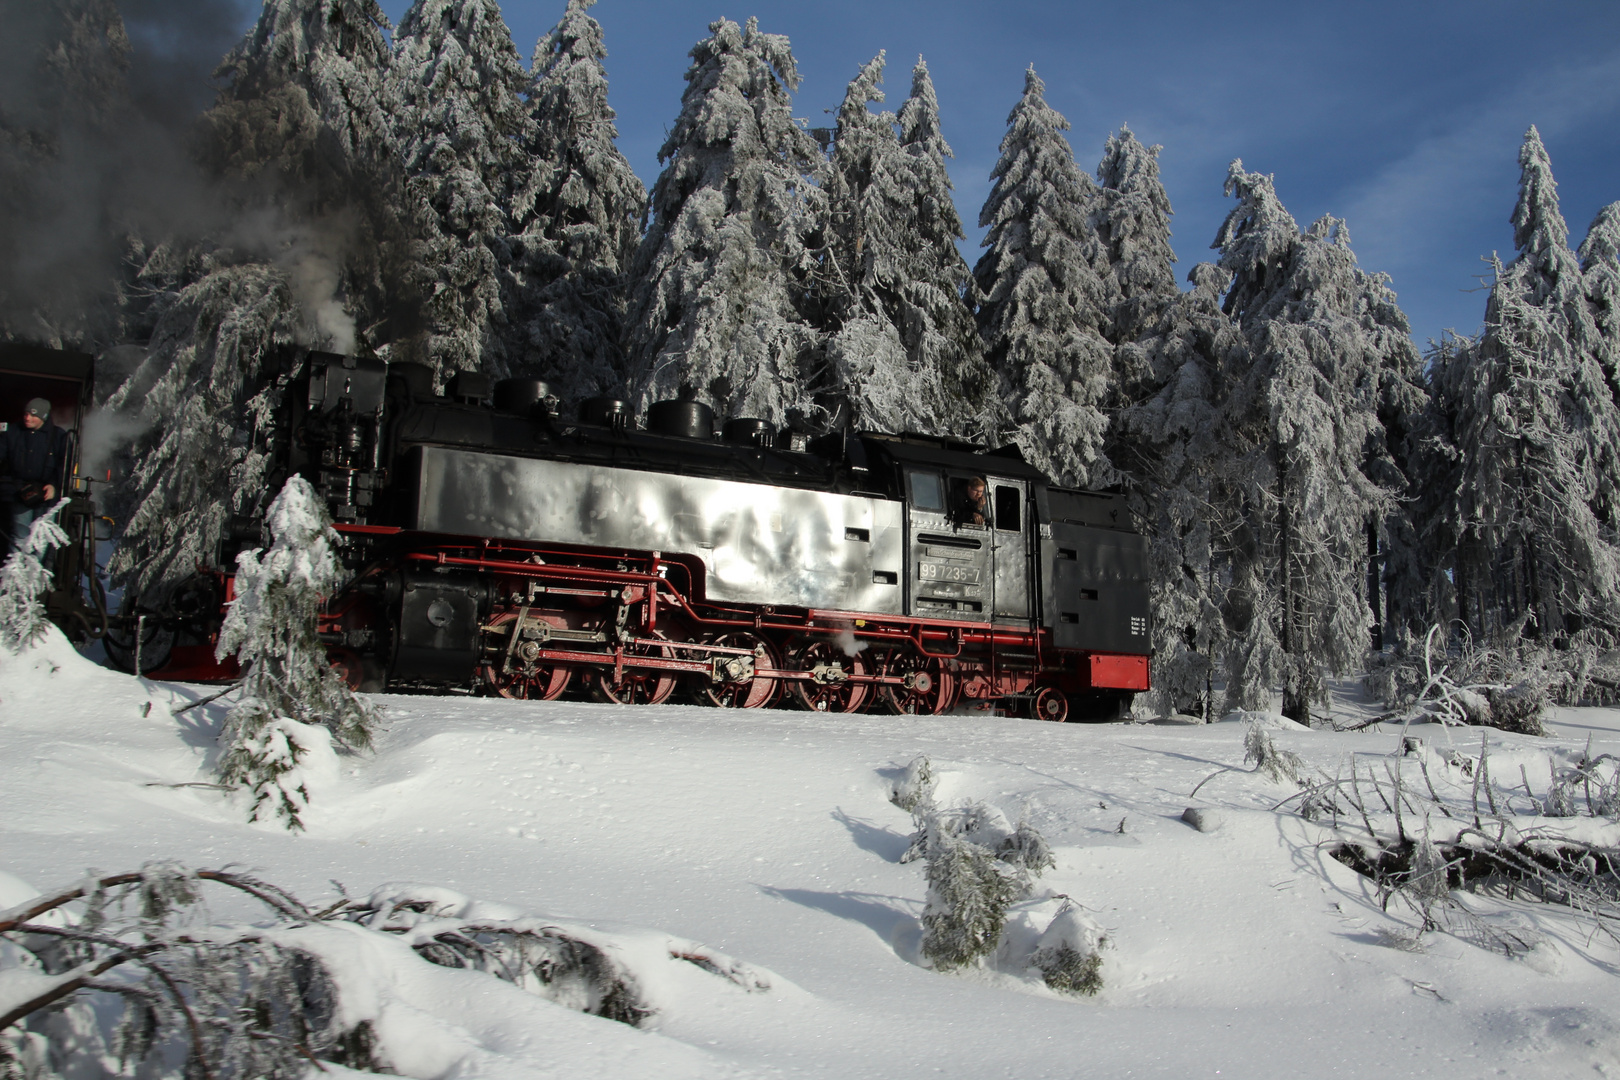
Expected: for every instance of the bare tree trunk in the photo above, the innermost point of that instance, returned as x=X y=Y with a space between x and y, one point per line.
x=1374 y=583
x=1296 y=703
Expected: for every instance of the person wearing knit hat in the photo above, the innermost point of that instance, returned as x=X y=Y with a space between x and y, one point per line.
x=33 y=458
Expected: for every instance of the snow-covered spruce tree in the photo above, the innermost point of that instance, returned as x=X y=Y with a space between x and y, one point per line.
x=720 y=278
x=287 y=684
x=870 y=381
x=462 y=129
x=303 y=134
x=937 y=291
x=24 y=581
x=1169 y=439
x=301 y=138
x=1400 y=459
x=204 y=399
x=1600 y=271
x=1132 y=219
x=1178 y=457
x=1308 y=405
x=1535 y=429
x=577 y=229
x=903 y=351
x=1045 y=305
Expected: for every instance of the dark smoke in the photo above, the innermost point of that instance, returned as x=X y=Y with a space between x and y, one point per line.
x=176 y=44
x=97 y=114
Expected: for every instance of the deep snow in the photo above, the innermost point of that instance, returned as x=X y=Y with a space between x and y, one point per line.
x=1241 y=952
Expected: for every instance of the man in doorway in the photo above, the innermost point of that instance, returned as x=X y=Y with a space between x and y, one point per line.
x=976 y=511
x=33 y=456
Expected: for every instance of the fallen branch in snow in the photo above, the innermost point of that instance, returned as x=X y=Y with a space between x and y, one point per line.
x=266 y=1001
x=190 y=783
x=1499 y=855
x=1479 y=686
x=1257 y=747
x=210 y=699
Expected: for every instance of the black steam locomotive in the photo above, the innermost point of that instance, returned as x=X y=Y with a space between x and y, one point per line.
x=497 y=547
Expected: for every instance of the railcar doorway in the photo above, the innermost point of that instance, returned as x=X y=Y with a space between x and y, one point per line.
x=62 y=378
x=1009 y=530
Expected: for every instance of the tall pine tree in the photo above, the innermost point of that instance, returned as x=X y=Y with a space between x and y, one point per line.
x=463 y=123
x=937 y=290
x=577 y=229
x=1044 y=304
x=720 y=278
x=1535 y=429
x=302 y=133
x=871 y=382
x=1308 y=405
x=1179 y=460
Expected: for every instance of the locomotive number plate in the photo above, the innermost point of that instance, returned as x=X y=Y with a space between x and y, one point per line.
x=928 y=571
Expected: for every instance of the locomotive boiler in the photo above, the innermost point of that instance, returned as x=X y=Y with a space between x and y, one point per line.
x=498 y=547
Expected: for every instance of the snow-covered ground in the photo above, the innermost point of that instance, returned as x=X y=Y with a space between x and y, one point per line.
x=1245 y=951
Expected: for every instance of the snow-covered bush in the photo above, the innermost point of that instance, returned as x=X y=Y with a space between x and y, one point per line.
x=969 y=891
x=1276 y=763
x=287 y=683
x=1069 y=954
x=916 y=787
x=978 y=865
x=24 y=580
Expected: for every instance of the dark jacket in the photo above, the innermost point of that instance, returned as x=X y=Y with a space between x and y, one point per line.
x=38 y=457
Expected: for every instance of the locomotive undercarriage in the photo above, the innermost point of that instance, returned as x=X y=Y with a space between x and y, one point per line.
x=541 y=623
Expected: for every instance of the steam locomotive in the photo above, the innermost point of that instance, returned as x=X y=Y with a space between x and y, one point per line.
x=497 y=547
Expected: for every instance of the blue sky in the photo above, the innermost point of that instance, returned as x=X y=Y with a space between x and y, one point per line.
x=1403 y=118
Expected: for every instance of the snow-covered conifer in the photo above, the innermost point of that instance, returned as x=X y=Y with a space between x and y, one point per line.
x=718 y=279
x=24 y=581
x=1170 y=440
x=1044 y=304
x=936 y=312
x=462 y=126
x=1132 y=219
x=870 y=380
x=287 y=683
x=1308 y=405
x=1600 y=271
x=1536 y=433
x=978 y=864
x=577 y=228
x=203 y=404
x=303 y=132
x=1178 y=458
x=309 y=72
x=969 y=891
x=303 y=136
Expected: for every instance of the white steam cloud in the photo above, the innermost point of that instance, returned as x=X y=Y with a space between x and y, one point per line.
x=105 y=433
x=845 y=639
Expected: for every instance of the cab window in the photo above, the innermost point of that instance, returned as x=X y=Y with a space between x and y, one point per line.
x=927 y=492
x=1007 y=517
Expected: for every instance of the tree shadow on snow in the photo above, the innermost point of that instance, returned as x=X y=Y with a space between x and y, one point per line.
x=889 y=917
x=885 y=843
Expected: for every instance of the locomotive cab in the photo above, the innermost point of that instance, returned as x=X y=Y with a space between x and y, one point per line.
x=75 y=602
